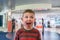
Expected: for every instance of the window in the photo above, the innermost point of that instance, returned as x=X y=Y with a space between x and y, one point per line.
x=1 y=20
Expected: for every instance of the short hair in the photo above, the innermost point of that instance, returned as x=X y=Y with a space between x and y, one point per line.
x=29 y=11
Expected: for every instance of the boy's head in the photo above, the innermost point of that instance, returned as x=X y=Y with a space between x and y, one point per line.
x=28 y=18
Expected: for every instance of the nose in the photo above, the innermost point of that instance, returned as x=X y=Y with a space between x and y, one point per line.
x=29 y=19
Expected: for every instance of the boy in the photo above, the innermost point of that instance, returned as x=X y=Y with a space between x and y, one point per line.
x=27 y=32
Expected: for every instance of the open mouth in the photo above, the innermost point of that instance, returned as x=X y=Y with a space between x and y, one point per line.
x=28 y=23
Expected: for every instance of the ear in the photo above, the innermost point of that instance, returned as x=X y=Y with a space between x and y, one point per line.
x=21 y=18
x=35 y=20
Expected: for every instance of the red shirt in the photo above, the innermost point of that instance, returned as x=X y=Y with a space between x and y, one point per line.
x=23 y=34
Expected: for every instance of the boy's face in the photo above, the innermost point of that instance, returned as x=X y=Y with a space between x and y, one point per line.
x=28 y=19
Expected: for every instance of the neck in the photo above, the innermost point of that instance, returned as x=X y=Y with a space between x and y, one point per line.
x=28 y=28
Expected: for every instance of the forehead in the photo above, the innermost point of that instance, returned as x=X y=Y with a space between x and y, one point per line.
x=28 y=14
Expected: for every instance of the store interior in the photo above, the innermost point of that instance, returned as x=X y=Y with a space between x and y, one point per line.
x=47 y=14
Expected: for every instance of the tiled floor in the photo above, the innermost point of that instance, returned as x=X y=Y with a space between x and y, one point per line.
x=49 y=34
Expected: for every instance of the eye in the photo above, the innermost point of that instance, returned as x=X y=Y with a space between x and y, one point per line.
x=31 y=16
x=26 y=16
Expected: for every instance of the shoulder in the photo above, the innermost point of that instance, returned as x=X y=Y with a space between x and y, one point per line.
x=20 y=30
x=35 y=30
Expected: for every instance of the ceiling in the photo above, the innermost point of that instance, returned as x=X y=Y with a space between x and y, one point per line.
x=55 y=3
x=4 y=3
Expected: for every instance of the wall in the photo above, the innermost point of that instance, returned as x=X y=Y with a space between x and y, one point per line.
x=3 y=28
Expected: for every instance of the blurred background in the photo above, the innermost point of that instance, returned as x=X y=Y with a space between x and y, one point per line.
x=47 y=17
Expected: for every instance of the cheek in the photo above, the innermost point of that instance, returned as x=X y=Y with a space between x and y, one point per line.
x=24 y=20
x=33 y=20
